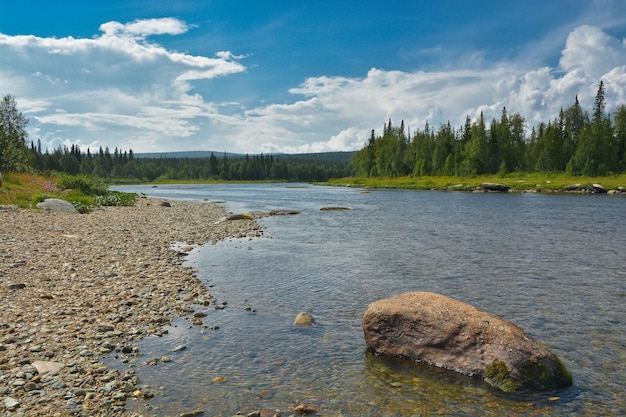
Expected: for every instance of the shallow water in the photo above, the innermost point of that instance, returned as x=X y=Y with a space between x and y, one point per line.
x=553 y=264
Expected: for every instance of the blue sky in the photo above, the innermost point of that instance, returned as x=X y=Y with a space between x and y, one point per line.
x=297 y=76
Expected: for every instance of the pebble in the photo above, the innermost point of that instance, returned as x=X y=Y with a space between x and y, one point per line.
x=79 y=289
x=11 y=403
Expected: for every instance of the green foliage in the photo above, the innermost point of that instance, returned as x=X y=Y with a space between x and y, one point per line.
x=85 y=184
x=14 y=155
x=116 y=198
x=26 y=190
x=572 y=142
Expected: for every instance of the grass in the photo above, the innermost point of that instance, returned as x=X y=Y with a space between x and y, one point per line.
x=517 y=181
x=85 y=193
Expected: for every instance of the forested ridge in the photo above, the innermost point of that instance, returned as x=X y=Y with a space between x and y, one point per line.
x=576 y=141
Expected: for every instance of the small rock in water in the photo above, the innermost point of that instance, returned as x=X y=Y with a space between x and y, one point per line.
x=304 y=319
x=191 y=413
x=305 y=409
x=179 y=348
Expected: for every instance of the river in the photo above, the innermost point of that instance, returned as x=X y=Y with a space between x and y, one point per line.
x=553 y=264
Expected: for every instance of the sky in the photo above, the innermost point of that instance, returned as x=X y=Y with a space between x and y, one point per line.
x=298 y=76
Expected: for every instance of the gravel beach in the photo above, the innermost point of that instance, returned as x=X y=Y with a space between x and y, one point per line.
x=76 y=287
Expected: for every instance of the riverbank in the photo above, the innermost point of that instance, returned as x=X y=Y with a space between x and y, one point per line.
x=517 y=182
x=76 y=287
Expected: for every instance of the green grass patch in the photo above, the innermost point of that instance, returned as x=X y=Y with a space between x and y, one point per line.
x=517 y=181
x=85 y=193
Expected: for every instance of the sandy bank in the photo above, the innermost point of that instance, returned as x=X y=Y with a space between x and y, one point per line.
x=74 y=287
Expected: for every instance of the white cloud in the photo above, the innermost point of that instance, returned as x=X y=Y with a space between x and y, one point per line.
x=145 y=27
x=594 y=52
x=123 y=89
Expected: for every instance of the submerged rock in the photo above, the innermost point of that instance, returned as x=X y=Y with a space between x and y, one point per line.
x=443 y=332
x=304 y=319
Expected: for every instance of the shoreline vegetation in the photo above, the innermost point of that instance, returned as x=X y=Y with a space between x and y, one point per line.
x=517 y=182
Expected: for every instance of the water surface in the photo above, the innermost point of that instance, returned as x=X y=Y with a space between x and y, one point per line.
x=553 y=264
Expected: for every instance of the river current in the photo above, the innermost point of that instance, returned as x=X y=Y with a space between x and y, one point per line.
x=552 y=264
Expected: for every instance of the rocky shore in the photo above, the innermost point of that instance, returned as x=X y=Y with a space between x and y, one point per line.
x=76 y=287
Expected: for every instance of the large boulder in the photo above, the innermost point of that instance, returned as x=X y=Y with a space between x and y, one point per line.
x=443 y=332
x=57 y=205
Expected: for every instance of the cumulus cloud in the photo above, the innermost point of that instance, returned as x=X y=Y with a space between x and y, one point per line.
x=121 y=88
x=117 y=83
x=143 y=28
x=594 y=52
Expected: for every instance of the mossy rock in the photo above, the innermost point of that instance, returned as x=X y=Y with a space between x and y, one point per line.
x=334 y=208
x=531 y=376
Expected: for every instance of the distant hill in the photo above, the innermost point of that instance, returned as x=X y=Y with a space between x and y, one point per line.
x=184 y=154
x=299 y=157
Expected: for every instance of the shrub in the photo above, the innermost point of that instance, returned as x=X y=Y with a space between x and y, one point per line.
x=116 y=198
x=86 y=185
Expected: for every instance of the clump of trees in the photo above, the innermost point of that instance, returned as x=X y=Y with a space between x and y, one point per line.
x=14 y=155
x=575 y=141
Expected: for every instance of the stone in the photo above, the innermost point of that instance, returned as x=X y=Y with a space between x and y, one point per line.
x=191 y=413
x=102 y=328
x=494 y=187
x=598 y=189
x=58 y=206
x=48 y=367
x=305 y=409
x=239 y=217
x=283 y=212
x=11 y=404
x=440 y=331
x=31 y=386
x=304 y=319
x=17 y=286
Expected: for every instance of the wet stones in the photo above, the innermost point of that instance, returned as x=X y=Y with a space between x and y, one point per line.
x=81 y=289
x=494 y=187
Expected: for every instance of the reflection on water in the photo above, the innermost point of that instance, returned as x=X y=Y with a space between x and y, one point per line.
x=552 y=264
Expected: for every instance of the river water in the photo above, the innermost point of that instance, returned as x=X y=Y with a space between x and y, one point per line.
x=553 y=264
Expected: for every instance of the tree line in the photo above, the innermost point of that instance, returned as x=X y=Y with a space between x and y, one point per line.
x=126 y=166
x=576 y=141
x=121 y=165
